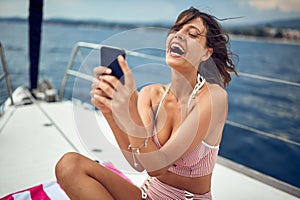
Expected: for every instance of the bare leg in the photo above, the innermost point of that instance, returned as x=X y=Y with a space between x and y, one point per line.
x=82 y=178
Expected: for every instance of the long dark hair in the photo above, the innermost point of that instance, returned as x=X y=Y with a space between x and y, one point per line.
x=215 y=39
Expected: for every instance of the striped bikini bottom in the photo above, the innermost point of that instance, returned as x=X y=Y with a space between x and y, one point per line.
x=153 y=189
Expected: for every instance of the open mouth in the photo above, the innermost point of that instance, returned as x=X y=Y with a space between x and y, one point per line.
x=176 y=49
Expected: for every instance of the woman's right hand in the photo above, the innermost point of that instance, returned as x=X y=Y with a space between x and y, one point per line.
x=96 y=91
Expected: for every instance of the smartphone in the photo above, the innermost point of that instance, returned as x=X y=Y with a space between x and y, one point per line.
x=109 y=57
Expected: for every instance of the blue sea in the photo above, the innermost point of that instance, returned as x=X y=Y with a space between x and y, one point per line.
x=260 y=111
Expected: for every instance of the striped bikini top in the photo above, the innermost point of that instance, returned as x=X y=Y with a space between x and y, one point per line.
x=196 y=163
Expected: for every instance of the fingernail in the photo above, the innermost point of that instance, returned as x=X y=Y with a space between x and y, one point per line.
x=95 y=80
x=121 y=58
x=108 y=71
x=96 y=96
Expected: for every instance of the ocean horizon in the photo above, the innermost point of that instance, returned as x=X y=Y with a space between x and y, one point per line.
x=270 y=107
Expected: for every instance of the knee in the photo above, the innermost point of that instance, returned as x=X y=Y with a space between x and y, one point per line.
x=67 y=166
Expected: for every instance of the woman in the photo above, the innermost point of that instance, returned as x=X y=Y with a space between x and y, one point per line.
x=172 y=131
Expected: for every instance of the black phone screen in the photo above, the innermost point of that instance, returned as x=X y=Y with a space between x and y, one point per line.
x=109 y=58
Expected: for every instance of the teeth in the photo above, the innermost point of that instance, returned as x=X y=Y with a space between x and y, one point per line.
x=176 y=48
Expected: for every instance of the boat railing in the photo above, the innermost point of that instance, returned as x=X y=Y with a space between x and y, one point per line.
x=5 y=74
x=71 y=72
x=75 y=73
x=269 y=180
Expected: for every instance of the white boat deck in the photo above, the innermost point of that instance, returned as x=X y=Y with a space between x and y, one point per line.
x=33 y=138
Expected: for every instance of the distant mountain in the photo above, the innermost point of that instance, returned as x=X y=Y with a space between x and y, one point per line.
x=293 y=23
x=91 y=23
x=288 y=29
x=13 y=19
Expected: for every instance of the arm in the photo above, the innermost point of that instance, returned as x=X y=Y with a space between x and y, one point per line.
x=204 y=122
x=100 y=99
x=144 y=107
x=184 y=139
x=118 y=104
x=122 y=140
x=127 y=119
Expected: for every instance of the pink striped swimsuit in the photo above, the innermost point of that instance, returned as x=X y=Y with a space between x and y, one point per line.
x=196 y=163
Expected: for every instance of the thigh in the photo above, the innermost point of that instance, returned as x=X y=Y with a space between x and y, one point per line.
x=117 y=186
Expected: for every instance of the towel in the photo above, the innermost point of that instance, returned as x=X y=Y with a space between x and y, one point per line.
x=45 y=191
x=51 y=189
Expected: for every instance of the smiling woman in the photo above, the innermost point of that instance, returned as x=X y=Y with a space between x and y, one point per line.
x=172 y=131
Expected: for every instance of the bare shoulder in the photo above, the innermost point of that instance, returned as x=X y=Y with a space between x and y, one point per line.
x=212 y=95
x=152 y=92
x=214 y=91
x=153 y=88
x=215 y=88
x=148 y=100
x=218 y=97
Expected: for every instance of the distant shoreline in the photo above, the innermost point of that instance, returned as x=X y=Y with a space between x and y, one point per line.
x=264 y=39
x=241 y=37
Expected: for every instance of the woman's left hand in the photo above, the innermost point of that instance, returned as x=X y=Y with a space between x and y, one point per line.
x=120 y=98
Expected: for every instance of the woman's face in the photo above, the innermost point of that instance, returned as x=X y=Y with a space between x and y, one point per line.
x=186 y=47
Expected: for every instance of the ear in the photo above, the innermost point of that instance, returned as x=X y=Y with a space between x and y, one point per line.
x=207 y=55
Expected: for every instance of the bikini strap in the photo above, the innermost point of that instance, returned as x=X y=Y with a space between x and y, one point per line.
x=161 y=101
x=198 y=86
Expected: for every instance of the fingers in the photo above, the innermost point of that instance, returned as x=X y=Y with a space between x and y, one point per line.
x=107 y=89
x=100 y=105
x=106 y=85
x=100 y=100
x=129 y=80
x=102 y=91
x=123 y=64
x=98 y=92
x=101 y=70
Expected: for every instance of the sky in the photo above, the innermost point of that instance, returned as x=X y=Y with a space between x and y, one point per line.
x=251 y=11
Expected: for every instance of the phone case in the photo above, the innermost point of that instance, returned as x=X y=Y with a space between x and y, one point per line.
x=109 y=58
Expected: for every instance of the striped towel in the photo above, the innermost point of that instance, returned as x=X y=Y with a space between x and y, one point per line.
x=45 y=191
x=51 y=190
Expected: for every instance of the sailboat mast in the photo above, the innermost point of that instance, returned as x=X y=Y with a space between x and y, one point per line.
x=35 y=28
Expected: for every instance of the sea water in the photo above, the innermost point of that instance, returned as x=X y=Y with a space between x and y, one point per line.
x=259 y=108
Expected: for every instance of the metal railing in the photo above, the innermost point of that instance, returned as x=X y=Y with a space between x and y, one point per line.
x=259 y=176
x=75 y=73
x=6 y=75
x=71 y=72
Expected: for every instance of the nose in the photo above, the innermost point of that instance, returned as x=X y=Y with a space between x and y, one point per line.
x=179 y=36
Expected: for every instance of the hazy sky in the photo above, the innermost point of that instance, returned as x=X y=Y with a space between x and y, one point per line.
x=156 y=10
